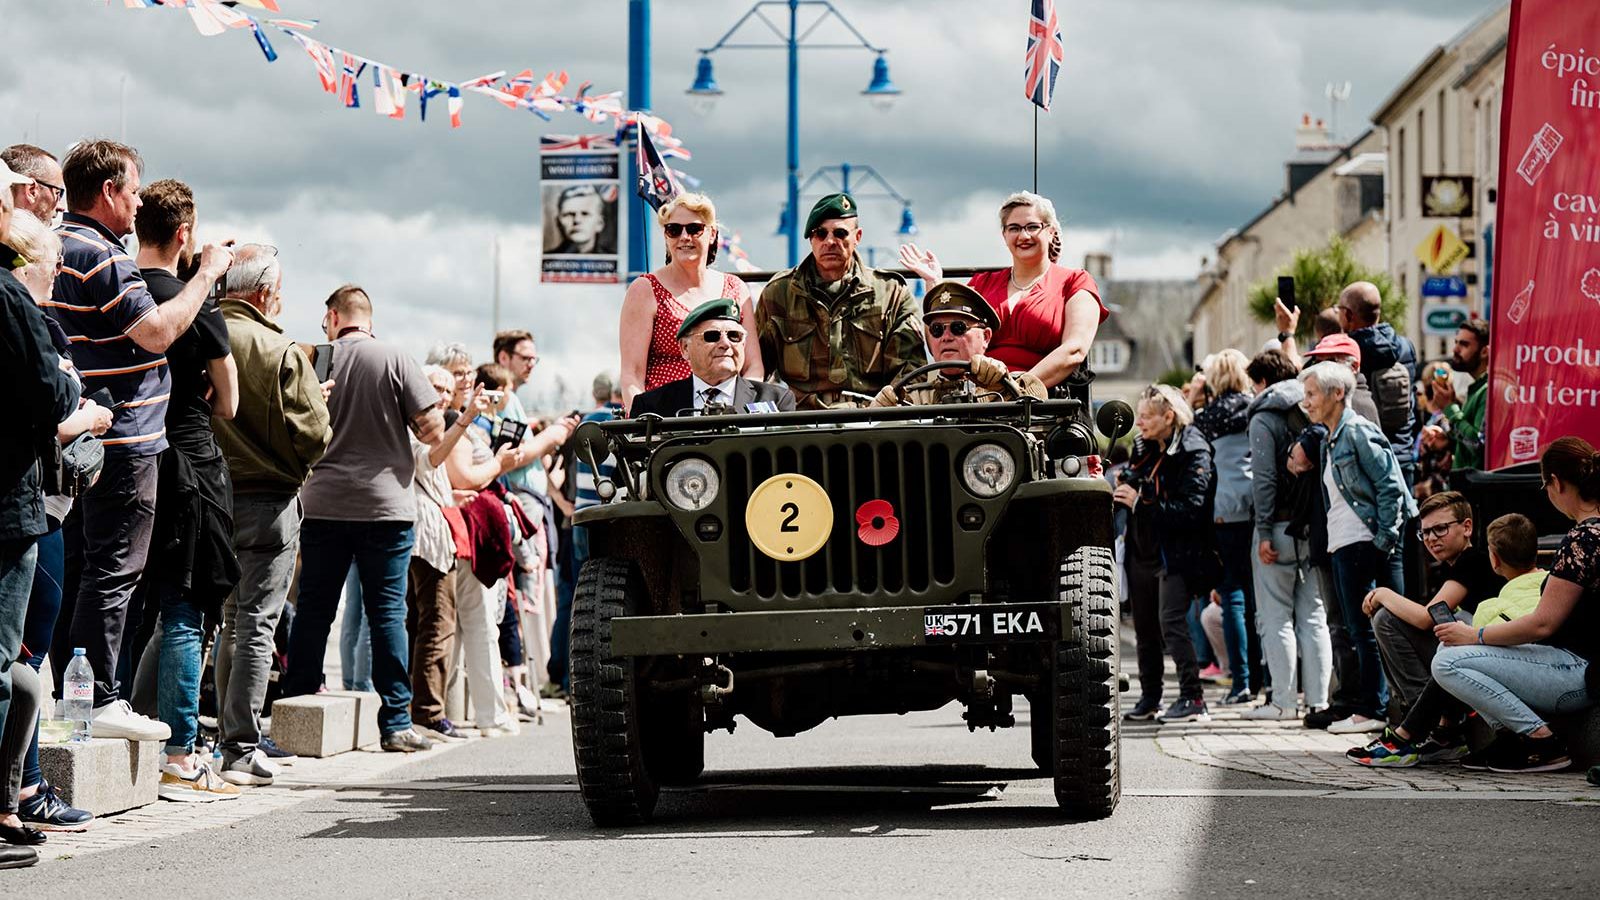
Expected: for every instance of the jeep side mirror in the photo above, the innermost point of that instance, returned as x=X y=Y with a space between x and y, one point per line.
x=1114 y=419
x=591 y=444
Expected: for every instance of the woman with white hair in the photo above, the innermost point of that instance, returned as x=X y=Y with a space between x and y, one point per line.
x=1048 y=313
x=1368 y=505
x=1169 y=488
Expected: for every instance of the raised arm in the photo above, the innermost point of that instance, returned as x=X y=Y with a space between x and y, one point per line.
x=163 y=325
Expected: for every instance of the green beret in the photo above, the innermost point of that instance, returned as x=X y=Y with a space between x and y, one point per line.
x=956 y=299
x=722 y=308
x=833 y=206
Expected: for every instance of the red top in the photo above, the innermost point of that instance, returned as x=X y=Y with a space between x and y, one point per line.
x=666 y=363
x=1030 y=326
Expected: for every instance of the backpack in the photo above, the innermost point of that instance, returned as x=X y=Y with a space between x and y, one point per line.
x=1392 y=393
x=1298 y=495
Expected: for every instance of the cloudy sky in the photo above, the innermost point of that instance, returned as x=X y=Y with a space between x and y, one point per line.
x=1170 y=124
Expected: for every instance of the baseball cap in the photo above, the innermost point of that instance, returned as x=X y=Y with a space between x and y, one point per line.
x=9 y=178
x=1337 y=345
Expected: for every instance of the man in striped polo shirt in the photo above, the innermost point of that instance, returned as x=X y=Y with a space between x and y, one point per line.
x=118 y=335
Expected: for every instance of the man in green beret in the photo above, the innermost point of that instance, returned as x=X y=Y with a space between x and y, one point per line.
x=713 y=341
x=833 y=329
x=960 y=324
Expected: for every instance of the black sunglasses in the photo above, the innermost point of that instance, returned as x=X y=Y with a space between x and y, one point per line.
x=676 y=229
x=956 y=328
x=711 y=337
x=821 y=234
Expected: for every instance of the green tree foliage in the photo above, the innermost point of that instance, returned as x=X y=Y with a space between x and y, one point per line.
x=1178 y=377
x=1319 y=275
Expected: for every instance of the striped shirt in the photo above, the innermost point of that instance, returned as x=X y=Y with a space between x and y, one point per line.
x=588 y=494
x=100 y=296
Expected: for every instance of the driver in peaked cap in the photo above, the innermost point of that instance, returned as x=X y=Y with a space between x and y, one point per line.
x=960 y=324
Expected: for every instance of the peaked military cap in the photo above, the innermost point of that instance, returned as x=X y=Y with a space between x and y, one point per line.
x=956 y=299
x=833 y=206
x=721 y=308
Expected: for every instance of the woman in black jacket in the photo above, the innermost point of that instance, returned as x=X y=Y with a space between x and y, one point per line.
x=1171 y=491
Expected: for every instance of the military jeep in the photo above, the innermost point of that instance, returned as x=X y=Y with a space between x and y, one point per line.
x=793 y=567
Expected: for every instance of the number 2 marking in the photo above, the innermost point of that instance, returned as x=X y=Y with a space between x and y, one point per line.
x=788 y=522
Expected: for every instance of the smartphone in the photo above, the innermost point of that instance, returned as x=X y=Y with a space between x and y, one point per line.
x=493 y=396
x=322 y=364
x=1286 y=290
x=1441 y=613
x=1442 y=373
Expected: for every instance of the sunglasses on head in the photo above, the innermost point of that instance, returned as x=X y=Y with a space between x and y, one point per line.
x=956 y=328
x=711 y=337
x=676 y=229
x=822 y=234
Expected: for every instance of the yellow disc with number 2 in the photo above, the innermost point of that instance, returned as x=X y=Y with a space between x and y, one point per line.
x=789 y=517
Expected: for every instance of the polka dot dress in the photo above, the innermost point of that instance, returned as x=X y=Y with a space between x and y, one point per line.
x=666 y=363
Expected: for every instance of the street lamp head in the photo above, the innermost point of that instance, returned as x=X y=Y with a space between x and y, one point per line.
x=704 y=92
x=881 y=92
x=908 y=225
x=783 y=221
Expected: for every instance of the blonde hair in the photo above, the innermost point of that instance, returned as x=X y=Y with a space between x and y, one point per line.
x=699 y=204
x=1046 y=211
x=1167 y=398
x=1226 y=370
x=33 y=239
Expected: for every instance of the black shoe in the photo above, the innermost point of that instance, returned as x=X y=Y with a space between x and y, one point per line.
x=1501 y=747
x=1547 y=754
x=407 y=741
x=274 y=752
x=1186 y=711
x=1144 y=711
x=14 y=857
x=21 y=835
x=1594 y=775
x=1322 y=718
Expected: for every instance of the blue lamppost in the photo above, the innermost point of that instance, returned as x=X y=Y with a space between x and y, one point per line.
x=880 y=91
x=849 y=178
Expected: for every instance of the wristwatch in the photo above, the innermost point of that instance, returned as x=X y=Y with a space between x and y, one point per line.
x=1283 y=336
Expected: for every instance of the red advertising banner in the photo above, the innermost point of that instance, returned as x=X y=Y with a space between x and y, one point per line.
x=1544 y=380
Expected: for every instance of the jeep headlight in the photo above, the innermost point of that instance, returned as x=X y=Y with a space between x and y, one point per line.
x=692 y=484
x=988 y=470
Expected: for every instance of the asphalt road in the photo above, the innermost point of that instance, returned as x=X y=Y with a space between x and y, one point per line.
x=883 y=806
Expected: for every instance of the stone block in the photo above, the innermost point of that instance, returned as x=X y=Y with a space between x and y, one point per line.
x=325 y=724
x=104 y=775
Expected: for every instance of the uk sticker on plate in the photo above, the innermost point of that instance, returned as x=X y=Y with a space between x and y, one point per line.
x=991 y=623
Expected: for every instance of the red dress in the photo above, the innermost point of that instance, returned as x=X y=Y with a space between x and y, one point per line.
x=666 y=363
x=1030 y=327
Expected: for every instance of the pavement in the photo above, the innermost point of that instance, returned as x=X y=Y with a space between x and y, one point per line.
x=876 y=806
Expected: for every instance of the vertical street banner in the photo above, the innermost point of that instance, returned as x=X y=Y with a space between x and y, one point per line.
x=1544 y=380
x=579 y=188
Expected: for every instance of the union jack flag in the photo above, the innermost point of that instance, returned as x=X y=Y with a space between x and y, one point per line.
x=1045 y=53
x=351 y=69
x=550 y=142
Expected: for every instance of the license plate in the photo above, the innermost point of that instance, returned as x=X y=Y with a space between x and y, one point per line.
x=991 y=623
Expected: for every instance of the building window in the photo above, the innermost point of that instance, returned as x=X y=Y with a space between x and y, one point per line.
x=1444 y=166
x=1400 y=175
x=1422 y=145
x=1108 y=356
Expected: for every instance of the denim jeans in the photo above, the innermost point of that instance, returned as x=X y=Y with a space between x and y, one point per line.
x=18 y=557
x=355 y=640
x=561 y=630
x=1514 y=687
x=1357 y=570
x=1407 y=652
x=266 y=536
x=382 y=553
x=182 y=639
x=1293 y=624
x=1203 y=654
x=44 y=603
x=1235 y=548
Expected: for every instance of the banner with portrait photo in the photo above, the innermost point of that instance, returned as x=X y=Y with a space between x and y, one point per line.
x=580 y=197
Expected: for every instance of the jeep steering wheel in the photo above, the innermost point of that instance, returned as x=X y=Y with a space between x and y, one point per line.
x=900 y=384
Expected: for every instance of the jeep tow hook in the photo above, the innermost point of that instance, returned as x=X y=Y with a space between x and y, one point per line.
x=712 y=689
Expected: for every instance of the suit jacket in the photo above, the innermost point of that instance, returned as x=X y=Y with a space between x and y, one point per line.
x=673 y=396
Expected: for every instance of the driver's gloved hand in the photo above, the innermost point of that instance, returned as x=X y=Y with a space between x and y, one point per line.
x=987 y=371
x=889 y=396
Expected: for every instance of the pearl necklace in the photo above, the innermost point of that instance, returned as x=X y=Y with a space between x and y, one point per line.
x=1023 y=288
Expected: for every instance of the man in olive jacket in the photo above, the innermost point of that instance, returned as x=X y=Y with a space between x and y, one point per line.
x=280 y=431
x=831 y=324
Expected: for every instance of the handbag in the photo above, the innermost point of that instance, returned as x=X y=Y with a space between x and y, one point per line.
x=78 y=464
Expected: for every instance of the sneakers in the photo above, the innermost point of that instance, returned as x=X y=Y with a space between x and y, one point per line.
x=552 y=691
x=1528 y=755
x=46 y=810
x=1270 y=712
x=254 y=768
x=201 y=785
x=1238 y=698
x=1186 y=711
x=507 y=728
x=278 y=755
x=118 y=720
x=1145 y=710
x=1356 y=724
x=407 y=741
x=442 y=730
x=1442 y=748
x=1212 y=673
x=527 y=702
x=1327 y=715
x=1389 y=751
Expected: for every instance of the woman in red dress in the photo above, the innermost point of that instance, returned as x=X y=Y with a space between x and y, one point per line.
x=1048 y=313
x=656 y=304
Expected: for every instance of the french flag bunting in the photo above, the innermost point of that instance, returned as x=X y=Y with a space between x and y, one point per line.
x=453 y=103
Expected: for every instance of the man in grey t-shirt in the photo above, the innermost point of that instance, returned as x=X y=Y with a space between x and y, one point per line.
x=360 y=508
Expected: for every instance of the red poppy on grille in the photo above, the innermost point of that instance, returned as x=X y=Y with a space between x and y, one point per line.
x=877 y=521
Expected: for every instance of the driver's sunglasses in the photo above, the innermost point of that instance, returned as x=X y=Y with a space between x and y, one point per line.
x=676 y=229
x=956 y=328
x=822 y=234
x=711 y=337
x=1435 y=532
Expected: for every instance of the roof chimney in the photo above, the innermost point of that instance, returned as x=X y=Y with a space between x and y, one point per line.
x=1312 y=134
x=1098 y=265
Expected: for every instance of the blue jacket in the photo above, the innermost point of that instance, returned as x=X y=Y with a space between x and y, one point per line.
x=1368 y=477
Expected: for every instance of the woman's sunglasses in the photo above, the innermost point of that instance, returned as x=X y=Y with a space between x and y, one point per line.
x=711 y=337
x=956 y=328
x=675 y=230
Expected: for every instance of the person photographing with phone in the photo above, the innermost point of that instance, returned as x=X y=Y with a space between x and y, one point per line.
x=1465 y=416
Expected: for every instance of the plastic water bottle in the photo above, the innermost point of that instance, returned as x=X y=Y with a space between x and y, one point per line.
x=77 y=703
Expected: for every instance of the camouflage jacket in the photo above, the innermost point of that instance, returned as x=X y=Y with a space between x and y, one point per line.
x=821 y=344
x=948 y=390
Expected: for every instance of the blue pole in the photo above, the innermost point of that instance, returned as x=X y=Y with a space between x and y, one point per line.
x=794 y=133
x=638 y=98
x=844 y=177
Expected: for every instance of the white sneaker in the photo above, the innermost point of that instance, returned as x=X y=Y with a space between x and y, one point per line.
x=254 y=768
x=1269 y=712
x=199 y=785
x=1356 y=725
x=118 y=720
x=507 y=728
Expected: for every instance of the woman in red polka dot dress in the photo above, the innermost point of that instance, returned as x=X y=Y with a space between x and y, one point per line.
x=657 y=303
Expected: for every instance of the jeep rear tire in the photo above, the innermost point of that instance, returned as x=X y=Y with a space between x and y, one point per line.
x=607 y=739
x=1086 y=753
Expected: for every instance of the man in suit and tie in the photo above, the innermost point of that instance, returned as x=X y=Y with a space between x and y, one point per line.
x=713 y=342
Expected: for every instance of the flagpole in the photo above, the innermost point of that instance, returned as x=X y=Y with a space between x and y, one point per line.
x=1035 y=148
